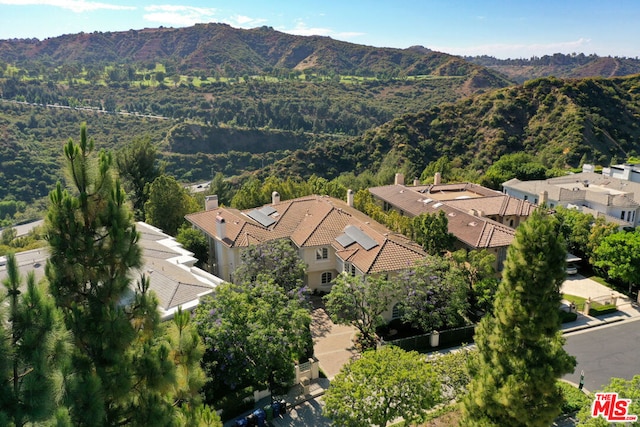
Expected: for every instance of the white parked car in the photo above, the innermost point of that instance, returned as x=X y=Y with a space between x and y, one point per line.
x=572 y=269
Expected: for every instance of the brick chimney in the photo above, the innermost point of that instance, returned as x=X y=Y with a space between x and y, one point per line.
x=399 y=179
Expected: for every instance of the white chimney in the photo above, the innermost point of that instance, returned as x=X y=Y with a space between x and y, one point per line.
x=275 y=198
x=211 y=202
x=416 y=182
x=437 y=178
x=350 y=197
x=399 y=179
x=221 y=227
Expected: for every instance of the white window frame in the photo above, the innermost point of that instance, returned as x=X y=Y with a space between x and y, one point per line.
x=326 y=277
x=322 y=254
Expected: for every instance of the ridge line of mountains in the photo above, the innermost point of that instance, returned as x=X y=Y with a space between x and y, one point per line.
x=406 y=108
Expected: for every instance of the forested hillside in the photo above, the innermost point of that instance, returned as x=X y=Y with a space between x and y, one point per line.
x=560 y=65
x=212 y=98
x=219 y=49
x=562 y=122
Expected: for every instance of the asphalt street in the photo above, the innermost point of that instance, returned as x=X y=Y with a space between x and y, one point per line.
x=605 y=352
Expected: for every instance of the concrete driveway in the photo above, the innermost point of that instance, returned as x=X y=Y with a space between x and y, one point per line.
x=584 y=287
x=332 y=344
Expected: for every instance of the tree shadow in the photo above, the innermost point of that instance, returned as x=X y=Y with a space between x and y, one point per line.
x=321 y=324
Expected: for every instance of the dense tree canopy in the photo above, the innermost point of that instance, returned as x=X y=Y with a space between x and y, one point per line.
x=167 y=204
x=381 y=386
x=432 y=232
x=276 y=259
x=434 y=294
x=477 y=267
x=619 y=255
x=138 y=166
x=253 y=334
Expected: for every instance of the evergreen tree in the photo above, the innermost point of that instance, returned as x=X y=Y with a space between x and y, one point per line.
x=520 y=345
x=36 y=351
x=167 y=204
x=432 y=232
x=138 y=166
x=121 y=366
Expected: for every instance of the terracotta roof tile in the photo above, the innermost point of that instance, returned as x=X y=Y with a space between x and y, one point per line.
x=474 y=231
x=315 y=221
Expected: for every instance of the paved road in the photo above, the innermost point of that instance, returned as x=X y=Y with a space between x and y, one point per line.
x=605 y=352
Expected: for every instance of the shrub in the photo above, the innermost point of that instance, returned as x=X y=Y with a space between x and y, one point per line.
x=573 y=399
x=234 y=404
x=566 y=316
x=599 y=310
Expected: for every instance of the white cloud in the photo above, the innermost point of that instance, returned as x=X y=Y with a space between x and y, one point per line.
x=77 y=6
x=242 y=21
x=178 y=15
x=518 y=50
x=301 y=29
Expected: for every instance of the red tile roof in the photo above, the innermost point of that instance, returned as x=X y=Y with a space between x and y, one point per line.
x=315 y=221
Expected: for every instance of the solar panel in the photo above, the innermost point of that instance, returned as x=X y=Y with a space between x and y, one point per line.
x=359 y=236
x=345 y=240
x=260 y=217
x=267 y=210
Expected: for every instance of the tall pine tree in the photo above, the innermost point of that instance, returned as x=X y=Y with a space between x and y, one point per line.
x=36 y=347
x=520 y=345
x=122 y=370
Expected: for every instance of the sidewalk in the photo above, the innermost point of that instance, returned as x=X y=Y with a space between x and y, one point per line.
x=333 y=343
x=297 y=414
x=584 y=287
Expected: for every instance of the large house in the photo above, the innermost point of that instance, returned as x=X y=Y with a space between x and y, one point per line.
x=330 y=235
x=615 y=199
x=172 y=273
x=173 y=276
x=479 y=218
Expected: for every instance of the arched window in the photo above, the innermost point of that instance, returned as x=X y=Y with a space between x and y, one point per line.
x=398 y=311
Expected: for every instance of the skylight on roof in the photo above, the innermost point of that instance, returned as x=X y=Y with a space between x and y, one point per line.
x=436 y=205
x=427 y=201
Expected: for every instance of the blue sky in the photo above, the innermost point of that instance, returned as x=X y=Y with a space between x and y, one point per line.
x=501 y=28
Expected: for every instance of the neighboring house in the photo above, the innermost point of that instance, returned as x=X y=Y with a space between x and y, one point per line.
x=617 y=200
x=331 y=237
x=172 y=273
x=479 y=218
x=173 y=277
x=627 y=172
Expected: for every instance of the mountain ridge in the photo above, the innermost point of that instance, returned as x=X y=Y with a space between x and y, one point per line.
x=233 y=51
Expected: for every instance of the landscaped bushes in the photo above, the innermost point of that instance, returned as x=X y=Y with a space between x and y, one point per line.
x=601 y=309
x=567 y=316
